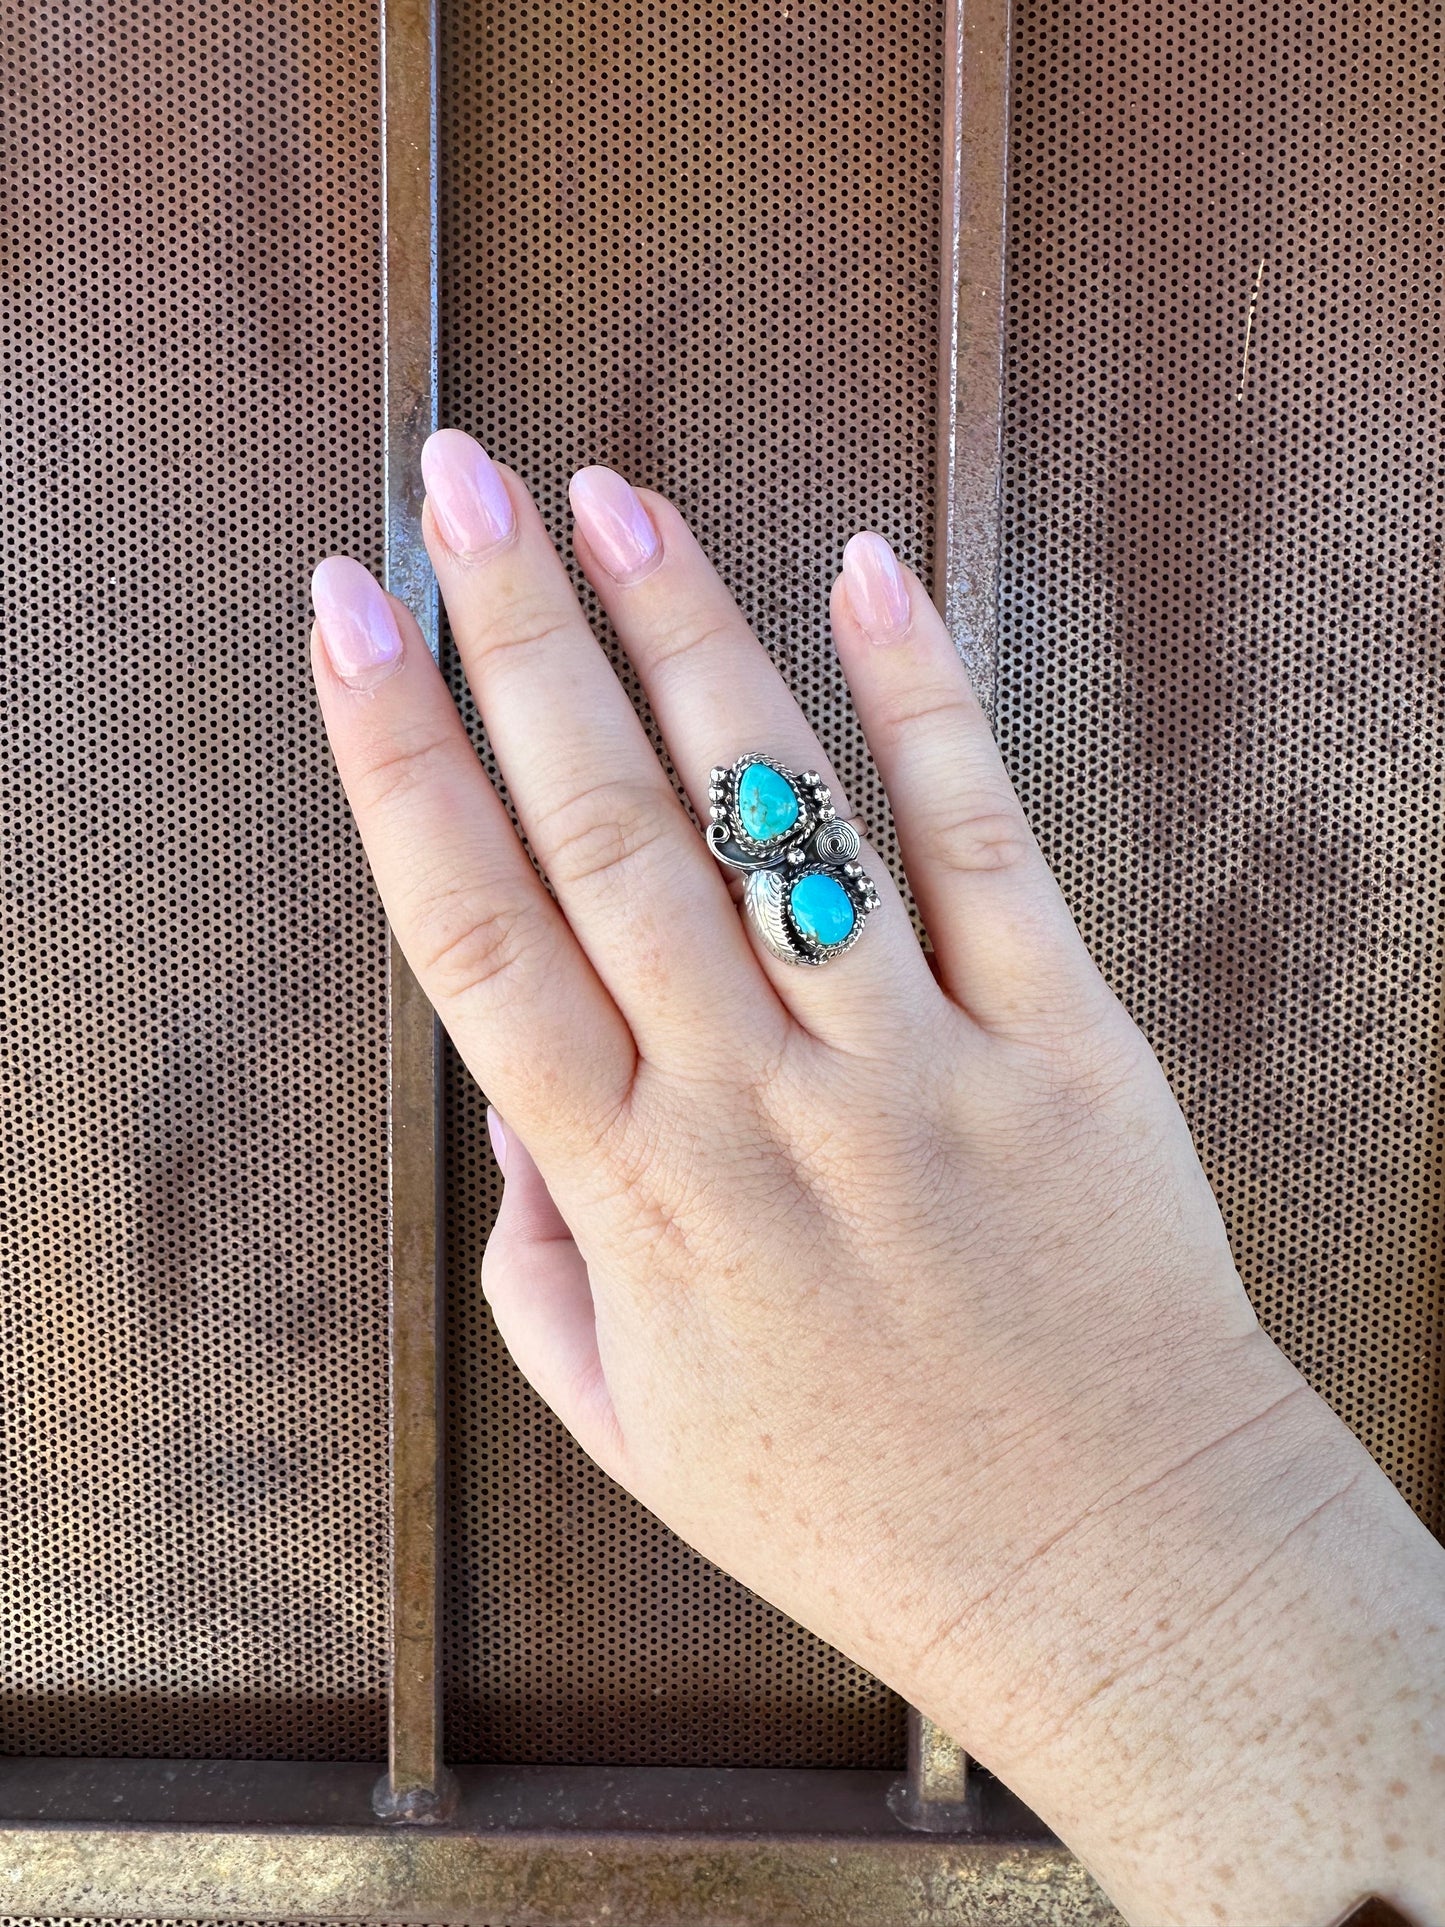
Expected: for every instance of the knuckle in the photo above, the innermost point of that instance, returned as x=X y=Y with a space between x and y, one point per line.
x=599 y=833
x=529 y=625
x=980 y=824
x=693 y=635
x=497 y=1266
x=922 y=709
x=402 y=770
x=468 y=943
x=979 y=834
x=1081 y=1076
x=510 y=1263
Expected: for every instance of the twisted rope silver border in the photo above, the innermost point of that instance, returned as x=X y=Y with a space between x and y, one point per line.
x=820 y=843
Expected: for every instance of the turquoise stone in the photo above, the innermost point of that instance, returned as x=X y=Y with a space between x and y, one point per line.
x=767 y=803
x=822 y=909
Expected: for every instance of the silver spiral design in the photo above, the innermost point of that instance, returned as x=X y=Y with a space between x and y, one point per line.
x=837 y=842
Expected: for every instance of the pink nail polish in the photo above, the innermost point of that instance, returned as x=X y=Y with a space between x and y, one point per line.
x=618 y=528
x=875 y=587
x=498 y=1136
x=357 y=626
x=468 y=497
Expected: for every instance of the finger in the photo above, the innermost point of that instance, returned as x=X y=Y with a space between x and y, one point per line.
x=632 y=877
x=1009 y=951
x=716 y=696
x=535 y=1281
x=488 y=946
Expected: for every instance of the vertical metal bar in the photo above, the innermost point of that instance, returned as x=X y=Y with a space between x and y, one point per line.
x=967 y=533
x=938 y=1795
x=966 y=550
x=417 y=1785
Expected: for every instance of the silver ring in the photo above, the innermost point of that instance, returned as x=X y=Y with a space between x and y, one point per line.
x=807 y=896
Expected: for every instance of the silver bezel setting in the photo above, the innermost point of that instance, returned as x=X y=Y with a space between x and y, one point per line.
x=769 y=902
x=730 y=842
x=818 y=844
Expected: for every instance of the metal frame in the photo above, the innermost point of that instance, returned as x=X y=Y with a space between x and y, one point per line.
x=531 y=1847
x=416 y=1787
x=967 y=531
x=214 y=1840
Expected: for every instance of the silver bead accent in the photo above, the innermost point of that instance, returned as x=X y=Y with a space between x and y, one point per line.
x=818 y=843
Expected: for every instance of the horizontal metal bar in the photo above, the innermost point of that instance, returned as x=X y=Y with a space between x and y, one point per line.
x=536 y=1847
x=254 y=1793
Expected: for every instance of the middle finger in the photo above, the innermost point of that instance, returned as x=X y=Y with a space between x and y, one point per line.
x=633 y=879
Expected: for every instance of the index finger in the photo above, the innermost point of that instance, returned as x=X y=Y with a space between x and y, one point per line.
x=510 y=982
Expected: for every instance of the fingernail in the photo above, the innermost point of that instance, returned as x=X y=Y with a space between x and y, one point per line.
x=498 y=1136
x=468 y=497
x=618 y=528
x=875 y=587
x=357 y=626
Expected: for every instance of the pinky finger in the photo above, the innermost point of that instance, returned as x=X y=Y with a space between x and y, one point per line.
x=535 y=1280
x=1008 y=949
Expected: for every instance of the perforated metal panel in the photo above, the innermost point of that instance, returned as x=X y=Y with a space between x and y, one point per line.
x=1222 y=687
x=701 y=245
x=193 y=1449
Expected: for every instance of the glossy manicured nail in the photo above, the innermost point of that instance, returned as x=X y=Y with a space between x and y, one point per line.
x=468 y=497
x=618 y=528
x=875 y=587
x=498 y=1136
x=357 y=626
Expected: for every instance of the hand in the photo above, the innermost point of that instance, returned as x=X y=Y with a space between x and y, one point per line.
x=898 y=1292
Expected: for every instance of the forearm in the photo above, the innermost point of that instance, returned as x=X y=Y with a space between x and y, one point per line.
x=1247 y=1725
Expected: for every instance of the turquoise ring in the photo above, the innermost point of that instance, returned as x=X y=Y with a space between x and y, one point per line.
x=807 y=895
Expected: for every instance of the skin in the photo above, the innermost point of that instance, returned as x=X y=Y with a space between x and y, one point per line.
x=898 y=1290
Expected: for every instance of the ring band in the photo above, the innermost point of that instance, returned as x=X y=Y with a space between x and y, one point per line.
x=807 y=896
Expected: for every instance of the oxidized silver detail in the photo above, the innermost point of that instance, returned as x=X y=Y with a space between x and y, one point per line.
x=817 y=844
x=837 y=843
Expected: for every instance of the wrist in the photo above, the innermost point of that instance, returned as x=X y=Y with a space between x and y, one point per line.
x=1222 y=1729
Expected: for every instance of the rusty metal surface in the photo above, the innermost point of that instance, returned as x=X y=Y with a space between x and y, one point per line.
x=703 y=248
x=193 y=1253
x=1222 y=678
x=517 y=1880
x=973 y=129
x=417 y=1786
x=530 y=1848
x=1375 y=1913
x=941 y=1791
x=259 y=1793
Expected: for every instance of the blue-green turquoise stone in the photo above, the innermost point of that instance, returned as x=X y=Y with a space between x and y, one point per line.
x=767 y=803
x=822 y=909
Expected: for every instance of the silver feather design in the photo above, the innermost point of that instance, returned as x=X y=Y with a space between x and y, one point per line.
x=765 y=898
